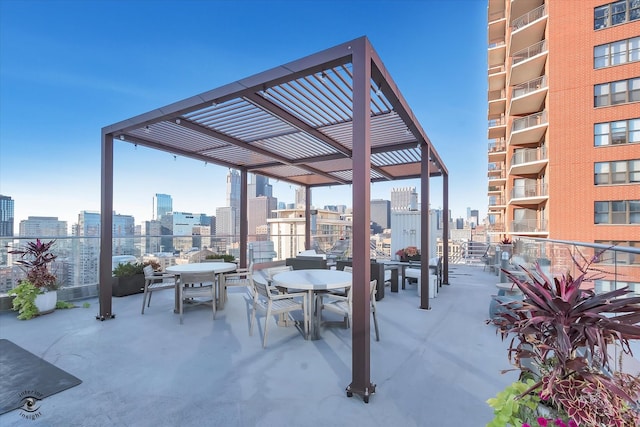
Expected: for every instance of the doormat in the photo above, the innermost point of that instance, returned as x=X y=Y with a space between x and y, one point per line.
x=26 y=377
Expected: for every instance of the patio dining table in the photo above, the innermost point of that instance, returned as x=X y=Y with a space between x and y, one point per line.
x=201 y=267
x=314 y=281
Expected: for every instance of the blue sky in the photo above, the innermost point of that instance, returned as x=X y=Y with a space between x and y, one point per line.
x=69 y=68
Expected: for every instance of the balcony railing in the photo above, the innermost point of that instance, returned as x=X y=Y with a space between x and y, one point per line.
x=531 y=188
x=495 y=95
x=529 y=226
x=528 y=87
x=497 y=145
x=529 y=52
x=502 y=121
x=496 y=70
x=528 y=18
x=496 y=201
x=528 y=155
x=535 y=119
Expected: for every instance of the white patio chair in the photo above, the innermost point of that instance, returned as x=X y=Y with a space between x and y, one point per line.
x=266 y=299
x=240 y=277
x=155 y=282
x=342 y=305
x=196 y=285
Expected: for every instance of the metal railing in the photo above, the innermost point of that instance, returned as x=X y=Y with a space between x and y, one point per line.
x=497 y=122
x=529 y=226
x=528 y=18
x=528 y=155
x=531 y=188
x=529 y=52
x=497 y=145
x=531 y=120
x=528 y=87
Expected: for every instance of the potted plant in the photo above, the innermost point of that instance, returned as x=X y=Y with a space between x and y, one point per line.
x=224 y=257
x=38 y=288
x=561 y=334
x=128 y=278
x=410 y=253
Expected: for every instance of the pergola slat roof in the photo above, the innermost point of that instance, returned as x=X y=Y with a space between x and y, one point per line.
x=292 y=123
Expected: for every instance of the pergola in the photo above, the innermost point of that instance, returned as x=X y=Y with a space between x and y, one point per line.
x=335 y=117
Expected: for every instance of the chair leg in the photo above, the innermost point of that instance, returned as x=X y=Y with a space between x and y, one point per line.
x=213 y=302
x=266 y=325
x=181 y=306
x=149 y=300
x=375 y=324
x=253 y=319
x=144 y=299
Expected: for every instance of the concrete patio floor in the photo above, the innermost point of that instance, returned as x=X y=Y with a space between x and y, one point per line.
x=431 y=367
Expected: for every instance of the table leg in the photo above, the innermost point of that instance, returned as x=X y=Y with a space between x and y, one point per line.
x=176 y=306
x=394 y=280
x=220 y=291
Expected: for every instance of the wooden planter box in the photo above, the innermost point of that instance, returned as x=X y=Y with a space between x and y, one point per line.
x=127 y=285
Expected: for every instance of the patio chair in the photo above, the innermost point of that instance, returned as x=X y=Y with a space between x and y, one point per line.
x=196 y=285
x=342 y=305
x=155 y=282
x=266 y=299
x=240 y=277
x=272 y=271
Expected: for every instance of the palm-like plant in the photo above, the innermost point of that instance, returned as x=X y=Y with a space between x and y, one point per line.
x=564 y=330
x=35 y=259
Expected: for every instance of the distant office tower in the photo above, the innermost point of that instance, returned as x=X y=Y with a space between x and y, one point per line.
x=233 y=198
x=225 y=227
x=473 y=218
x=87 y=248
x=43 y=227
x=162 y=205
x=564 y=120
x=404 y=199
x=6 y=216
x=150 y=232
x=301 y=197
x=260 y=209
x=259 y=186
x=381 y=212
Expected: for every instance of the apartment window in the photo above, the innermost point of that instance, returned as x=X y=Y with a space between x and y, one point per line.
x=601 y=286
x=617 y=212
x=618 y=92
x=618 y=132
x=616 y=53
x=620 y=172
x=616 y=13
x=609 y=256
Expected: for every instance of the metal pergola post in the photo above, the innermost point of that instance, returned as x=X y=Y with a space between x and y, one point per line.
x=106 y=229
x=361 y=338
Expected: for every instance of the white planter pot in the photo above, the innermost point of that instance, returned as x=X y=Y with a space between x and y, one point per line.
x=46 y=302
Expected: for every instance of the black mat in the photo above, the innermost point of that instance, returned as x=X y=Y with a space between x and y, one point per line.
x=23 y=374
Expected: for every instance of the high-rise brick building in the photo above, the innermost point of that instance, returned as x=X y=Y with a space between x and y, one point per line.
x=564 y=120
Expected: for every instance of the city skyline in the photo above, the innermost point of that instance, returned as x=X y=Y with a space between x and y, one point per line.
x=51 y=52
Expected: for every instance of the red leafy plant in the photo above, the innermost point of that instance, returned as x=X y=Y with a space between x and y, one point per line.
x=560 y=334
x=35 y=260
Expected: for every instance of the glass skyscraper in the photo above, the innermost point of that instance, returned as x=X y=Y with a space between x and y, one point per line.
x=6 y=216
x=162 y=205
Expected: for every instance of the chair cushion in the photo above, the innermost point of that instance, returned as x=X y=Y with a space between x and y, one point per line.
x=413 y=273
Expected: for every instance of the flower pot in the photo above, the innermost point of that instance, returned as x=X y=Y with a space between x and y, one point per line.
x=127 y=285
x=46 y=302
